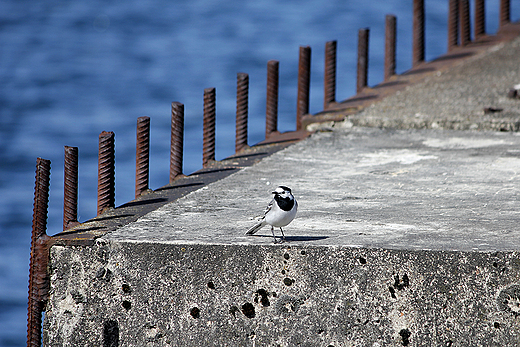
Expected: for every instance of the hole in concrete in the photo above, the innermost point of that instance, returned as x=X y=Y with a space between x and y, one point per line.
x=195 y=312
x=495 y=264
x=263 y=300
x=286 y=256
x=392 y=292
x=233 y=310
x=127 y=305
x=211 y=285
x=509 y=299
x=496 y=325
x=248 y=310
x=274 y=294
x=449 y=343
x=401 y=284
x=405 y=335
x=126 y=288
x=111 y=334
x=321 y=331
x=302 y=252
x=362 y=261
x=287 y=281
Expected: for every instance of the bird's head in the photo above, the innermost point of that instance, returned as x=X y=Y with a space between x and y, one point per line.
x=282 y=192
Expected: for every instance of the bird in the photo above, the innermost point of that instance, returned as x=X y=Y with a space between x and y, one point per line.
x=279 y=212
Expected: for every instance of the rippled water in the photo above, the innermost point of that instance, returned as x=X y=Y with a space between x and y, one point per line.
x=70 y=70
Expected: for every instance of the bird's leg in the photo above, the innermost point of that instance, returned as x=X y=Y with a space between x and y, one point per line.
x=272 y=230
x=283 y=236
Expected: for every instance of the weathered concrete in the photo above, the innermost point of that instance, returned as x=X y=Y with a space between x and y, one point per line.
x=403 y=238
x=159 y=294
x=410 y=238
x=470 y=96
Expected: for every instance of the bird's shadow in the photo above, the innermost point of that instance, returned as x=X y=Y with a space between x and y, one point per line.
x=297 y=238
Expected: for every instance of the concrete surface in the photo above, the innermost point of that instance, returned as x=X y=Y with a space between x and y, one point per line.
x=456 y=99
x=403 y=238
x=436 y=190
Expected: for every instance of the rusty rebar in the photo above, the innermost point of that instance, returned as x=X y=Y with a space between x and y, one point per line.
x=38 y=275
x=505 y=13
x=390 y=44
x=142 y=155
x=480 y=18
x=176 y=140
x=106 y=172
x=418 y=32
x=362 y=59
x=304 y=78
x=329 y=82
x=465 y=30
x=241 y=114
x=208 y=142
x=453 y=24
x=70 y=188
x=271 y=107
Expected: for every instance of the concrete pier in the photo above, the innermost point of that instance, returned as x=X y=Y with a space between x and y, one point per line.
x=403 y=237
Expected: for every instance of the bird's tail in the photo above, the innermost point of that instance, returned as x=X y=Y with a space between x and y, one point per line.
x=256 y=227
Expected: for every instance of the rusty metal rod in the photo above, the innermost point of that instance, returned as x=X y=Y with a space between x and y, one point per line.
x=304 y=78
x=241 y=114
x=418 y=32
x=176 y=140
x=505 y=13
x=142 y=155
x=106 y=172
x=70 y=188
x=390 y=44
x=453 y=24
x=271 y=108
x=465 y=30
x=362 y=61
x=208 y=145
x=329 y=82
x=480 y=18
x=38 y=275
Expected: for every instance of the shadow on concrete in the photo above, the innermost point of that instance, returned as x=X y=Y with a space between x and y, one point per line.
x=296 y=238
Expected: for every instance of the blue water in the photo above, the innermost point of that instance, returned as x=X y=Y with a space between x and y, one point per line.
x=70 y=70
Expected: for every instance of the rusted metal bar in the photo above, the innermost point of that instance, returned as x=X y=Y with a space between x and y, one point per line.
x=304 y=78
x=142 y=156
x=505 y=13
x=38 y=275
x=453 y=24
x=418 y=32
x=241 y=114
x=480 y=18
x=465 y=30
x=176 y=140
x=208 y=146
x=362 y=61
x=390 y=44
x=70 y=188
x=271 y=109
x=106 y=172
x=329 y=82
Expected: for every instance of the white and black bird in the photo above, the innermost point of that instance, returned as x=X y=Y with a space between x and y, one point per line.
x=280 y=212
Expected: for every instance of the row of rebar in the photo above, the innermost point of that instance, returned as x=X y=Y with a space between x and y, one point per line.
x=458 y=33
